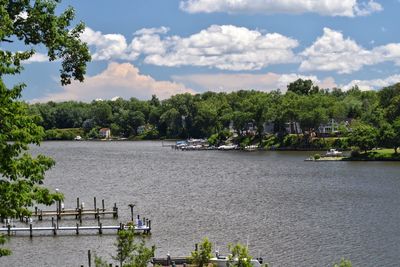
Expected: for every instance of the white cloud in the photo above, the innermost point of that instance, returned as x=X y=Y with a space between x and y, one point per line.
x=37 y=57
x=225 y=47
x=332 y=52
x=233 y=82
x=373 y=84
x=123 y=80
x=347 y=8
x=107 y=46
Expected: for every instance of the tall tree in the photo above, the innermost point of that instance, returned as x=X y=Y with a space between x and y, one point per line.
x=31 y=23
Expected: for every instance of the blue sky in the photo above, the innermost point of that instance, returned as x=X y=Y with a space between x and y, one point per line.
x=140 y=48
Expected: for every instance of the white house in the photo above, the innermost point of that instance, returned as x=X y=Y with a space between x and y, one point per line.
x=105 y=133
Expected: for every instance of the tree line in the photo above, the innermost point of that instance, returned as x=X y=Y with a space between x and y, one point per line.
x=210 y=114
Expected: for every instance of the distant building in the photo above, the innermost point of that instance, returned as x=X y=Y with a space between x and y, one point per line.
x=331 y=127
x=293 y=128
x=105 y=133
x=141 y=129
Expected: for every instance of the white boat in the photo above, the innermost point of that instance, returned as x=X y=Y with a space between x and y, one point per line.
x=227 y=147
x=78 y=138
x=333 y=153
x=251 y=148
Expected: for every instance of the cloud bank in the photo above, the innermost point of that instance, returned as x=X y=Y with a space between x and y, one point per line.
x=123 y=80
x=332 y=52
x=345 y=8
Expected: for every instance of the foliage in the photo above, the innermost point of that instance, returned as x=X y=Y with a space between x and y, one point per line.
x=129 y=252
x=202 y=256
x=63 y=134
x=31 y=23
x=244 y=114
x=239 y=256
x=3 y=251
x=317 y=156
x=343 y=263
x=363 y=136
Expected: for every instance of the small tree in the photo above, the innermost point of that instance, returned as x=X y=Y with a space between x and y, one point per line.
x=129 y=252
x=240 y=256
x=202 y=256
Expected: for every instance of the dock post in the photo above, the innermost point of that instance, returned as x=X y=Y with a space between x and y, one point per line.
x=77 y=228
x=9 y=229
x=54 y=230
x=97 y=213
x=41 y=215
x=36 y=209
x=80 y=216
x=52 y=221
x=89 y=258
x=149 y=226
x=102 y=205
x=131 y=206
x=95 y=206
x=30 y=230
x=98 y=220
x=115 y=209
x=100 y=228
x=77 y=207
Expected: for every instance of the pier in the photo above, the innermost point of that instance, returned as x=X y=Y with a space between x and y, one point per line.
x=140 y=225
x=54 y=229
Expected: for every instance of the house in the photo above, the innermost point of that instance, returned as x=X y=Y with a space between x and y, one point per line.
x=331 y=127
x=105 y=133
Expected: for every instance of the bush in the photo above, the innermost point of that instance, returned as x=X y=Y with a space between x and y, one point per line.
x=317 y=156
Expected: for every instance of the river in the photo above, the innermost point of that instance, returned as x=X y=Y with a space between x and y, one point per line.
x=290 y=212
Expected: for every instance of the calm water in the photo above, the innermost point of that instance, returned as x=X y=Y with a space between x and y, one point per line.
x=293 y=213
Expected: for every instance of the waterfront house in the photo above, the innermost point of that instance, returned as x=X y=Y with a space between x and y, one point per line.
x=105 y=133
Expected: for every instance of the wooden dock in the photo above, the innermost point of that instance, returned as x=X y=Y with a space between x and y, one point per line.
x=77 y=212
x=54 y=229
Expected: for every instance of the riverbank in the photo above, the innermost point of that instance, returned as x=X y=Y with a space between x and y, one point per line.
x=373 y=155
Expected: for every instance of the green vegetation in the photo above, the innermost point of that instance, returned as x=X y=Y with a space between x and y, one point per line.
x=63 y=134
x=239 y=256
x=202 y=255
x=129 y=252
x=21 y=175
x=375 y=155
x=343 y=263
x=272 y=120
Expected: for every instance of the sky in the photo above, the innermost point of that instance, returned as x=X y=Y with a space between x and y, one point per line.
x=165 y=47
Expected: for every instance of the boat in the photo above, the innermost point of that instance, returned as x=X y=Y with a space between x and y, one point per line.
x=78 y=138
x=251 y=148
x=333 y=153
x=227 y=147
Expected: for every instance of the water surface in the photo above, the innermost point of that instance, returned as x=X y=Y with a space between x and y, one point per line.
x=293 y=213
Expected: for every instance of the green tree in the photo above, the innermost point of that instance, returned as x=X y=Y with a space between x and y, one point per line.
x=31 y=23
x=202 y=256
x=240 y=256
x=363 y=136
x=129 y=252
x=302 y=87
x=389 y=135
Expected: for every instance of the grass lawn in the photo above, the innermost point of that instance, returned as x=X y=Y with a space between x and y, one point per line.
x=380 y=154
